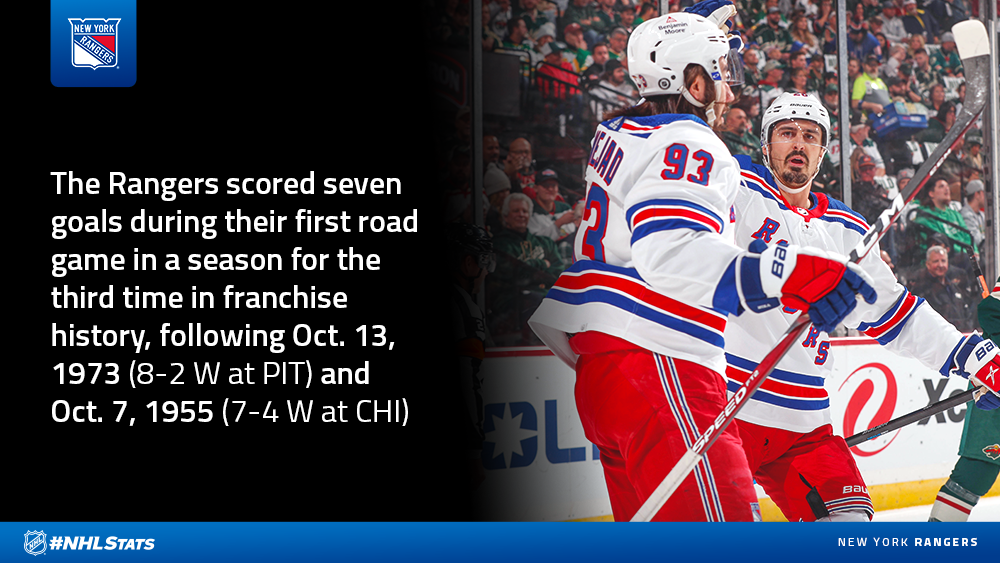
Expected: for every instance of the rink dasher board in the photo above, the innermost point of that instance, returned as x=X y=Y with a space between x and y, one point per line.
x=541 y=467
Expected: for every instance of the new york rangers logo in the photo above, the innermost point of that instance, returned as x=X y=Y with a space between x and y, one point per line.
x=94 y=42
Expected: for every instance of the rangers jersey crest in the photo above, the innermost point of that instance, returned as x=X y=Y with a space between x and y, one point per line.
x=94 y=42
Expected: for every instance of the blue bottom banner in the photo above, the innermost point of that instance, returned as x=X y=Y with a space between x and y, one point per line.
x=494 y=542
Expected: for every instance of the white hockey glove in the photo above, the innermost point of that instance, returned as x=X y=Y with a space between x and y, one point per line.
x=976 y=360
x=807 y=279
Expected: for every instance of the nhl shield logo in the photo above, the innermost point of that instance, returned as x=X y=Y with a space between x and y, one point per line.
x=94 y=42
x=34 y=542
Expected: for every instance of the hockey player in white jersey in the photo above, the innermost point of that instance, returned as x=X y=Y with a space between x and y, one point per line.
x=786 y=425
x=641 y=315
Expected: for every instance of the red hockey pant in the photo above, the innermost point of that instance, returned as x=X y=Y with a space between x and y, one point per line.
x=643 y=411
x=790 y=465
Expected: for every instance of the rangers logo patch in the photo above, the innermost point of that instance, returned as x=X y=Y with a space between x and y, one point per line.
x=94 y=42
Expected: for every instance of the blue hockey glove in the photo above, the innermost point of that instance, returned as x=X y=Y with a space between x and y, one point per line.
x=718 y=12
x=823 y=283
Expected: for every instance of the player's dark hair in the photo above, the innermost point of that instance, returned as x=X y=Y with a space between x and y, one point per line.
x=670 y=103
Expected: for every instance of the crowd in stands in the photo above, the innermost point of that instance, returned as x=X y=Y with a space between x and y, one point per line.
x=902 y=60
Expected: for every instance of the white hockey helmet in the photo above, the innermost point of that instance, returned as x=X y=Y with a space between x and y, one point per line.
x=795 y=106
x=660 y=49
x=799 y=107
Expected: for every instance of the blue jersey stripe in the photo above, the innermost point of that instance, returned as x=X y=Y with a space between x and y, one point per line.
x=678 y=202
x=779 y=374
x=771 y=399
x=651 y=227
x=636 y=308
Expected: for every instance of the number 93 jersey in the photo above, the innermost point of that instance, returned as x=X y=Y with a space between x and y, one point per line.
x=655 y=253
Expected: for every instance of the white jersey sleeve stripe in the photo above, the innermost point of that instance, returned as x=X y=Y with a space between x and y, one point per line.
x=888 y=327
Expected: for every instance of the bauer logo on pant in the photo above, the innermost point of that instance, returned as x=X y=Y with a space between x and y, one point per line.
x=94 y=42
x=34 y=542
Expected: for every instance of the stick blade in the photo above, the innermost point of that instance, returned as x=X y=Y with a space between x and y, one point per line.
x=971 y=39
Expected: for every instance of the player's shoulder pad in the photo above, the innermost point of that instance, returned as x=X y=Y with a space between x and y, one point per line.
x=750 y=166
x=837 y=205
x=657 y=125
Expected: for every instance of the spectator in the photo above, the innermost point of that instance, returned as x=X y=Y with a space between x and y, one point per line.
x=627 y=18
x=514 y=240
x=945 y=289
x=577 y=53
x=606 y=22
x=972 y=162
x=797 y=60
x=859 y=138
x=519 y=167
x=875 y=28
x=798 y=78
x=526 y=267
x=769 y=87
x=543 y=35
x=892 y=25
x=947 y=13
x=897 y=89
x=935 y=215
x=529 y=12
x=556 y=79
x=496 y=184
x=869 y=198
x=646 y=12
x=973 y=211
x=770 y=33
x=613 y=90
x=960 y=100
x=831 y=101
x=853 y=70
x=551 y=218
x=491 y=150
x=915 y=42
x=939 y=125
x=800 y=32
x=584 y=14
x=500 y=13
x=736 y=133
x=816 y=82
x=917 y=21
x=751 y=70
x=913 y=92
x=601 y=57
x=517 y=39
x=883 y=44
x=616 y=43
x=923 y=72
x=861 y=44
x=897 y=54
x=827 y=15
x=491 y=39
x=869 y=93
x=946 y=61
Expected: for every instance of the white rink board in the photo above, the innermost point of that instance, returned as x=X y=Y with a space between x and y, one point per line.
x=541 y=467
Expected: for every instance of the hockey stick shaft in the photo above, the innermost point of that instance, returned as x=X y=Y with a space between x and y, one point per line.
x=976 y=64
x=907 y=419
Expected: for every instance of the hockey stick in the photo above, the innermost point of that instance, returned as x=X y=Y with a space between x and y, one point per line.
x=973 y=49
x=907 y=419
